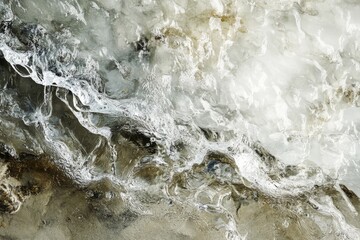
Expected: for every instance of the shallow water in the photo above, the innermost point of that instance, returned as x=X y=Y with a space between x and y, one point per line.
x=179 y=119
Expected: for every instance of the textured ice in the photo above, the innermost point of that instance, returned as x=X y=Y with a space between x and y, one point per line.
x=240 y=111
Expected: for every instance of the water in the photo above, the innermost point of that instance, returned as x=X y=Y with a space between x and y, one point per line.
x=179 y=119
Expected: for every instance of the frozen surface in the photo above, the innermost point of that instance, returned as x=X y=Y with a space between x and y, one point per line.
x=218 y=119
